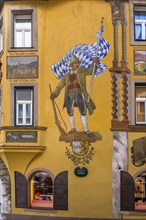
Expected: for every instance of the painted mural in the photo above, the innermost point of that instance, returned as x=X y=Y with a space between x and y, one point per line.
x=80 y=62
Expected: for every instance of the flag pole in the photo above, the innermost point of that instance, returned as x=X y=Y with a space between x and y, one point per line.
x=98 y=35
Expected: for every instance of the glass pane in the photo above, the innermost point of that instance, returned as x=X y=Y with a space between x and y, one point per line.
x=20 y=120
x=20 y=110
x=138 y=31
x=23 y=24
x=18 y=39
x=28 y=110
x=41 y=190
x=27 y=38
x=140 y=92
x=140 y=15
x=140 y=111
x=140 y=22
x=24 y=94
x=28 y=113
x=22 y=33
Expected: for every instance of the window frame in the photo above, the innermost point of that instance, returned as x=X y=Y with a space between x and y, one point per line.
x=137 y=175
x=30 y=189
x=133 y=102
x=22 y=30
x=24 y=103
x=139 y=100
x=1 y=35
x=15 y=86
x=132 y=4
x=60 y=188
x=22 y=13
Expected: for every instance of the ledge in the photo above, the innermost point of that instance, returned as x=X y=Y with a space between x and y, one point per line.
x=22 y=149
x=133 y=213
x=23 y=127
x=80 y=136
x=124 y=126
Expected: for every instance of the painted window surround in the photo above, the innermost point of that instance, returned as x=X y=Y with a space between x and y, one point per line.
x=35 y=90
x=131 y=7
x=23 y=10
x=133 y=110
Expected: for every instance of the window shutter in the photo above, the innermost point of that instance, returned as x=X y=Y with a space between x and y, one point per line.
x=61 y=191
x=21 y=200
x=127 y=192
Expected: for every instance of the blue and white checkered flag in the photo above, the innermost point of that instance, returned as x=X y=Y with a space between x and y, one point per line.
x=85 y=54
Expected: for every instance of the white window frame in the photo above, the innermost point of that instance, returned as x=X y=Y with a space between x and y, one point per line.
x=22 y=13
x=24 y=104
x=34 y=88
x=143 y=100
x=132 y=4
x=22 y=30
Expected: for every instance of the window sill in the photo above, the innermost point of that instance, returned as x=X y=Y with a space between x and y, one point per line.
x=40 y=210
x=133 y=213
x=12 y=49
x=125 y=126
x=23 y=127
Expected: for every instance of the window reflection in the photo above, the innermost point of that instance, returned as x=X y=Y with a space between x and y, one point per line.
x=42 y=190
x=140 y=192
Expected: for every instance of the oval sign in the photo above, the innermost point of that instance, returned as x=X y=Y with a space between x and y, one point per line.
x=81 y=172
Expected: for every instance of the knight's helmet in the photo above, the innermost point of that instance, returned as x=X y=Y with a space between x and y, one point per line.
x=74 y=59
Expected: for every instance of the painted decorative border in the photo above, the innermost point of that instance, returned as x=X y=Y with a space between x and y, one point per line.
x=22 y=67
x=139 y=62
x=21 y=136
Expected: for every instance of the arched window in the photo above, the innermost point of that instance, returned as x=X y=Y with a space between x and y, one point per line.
x=41 y=190
x=140 y=190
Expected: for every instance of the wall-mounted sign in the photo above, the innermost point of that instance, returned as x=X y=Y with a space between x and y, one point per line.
x=80 y=171
x=21 y=136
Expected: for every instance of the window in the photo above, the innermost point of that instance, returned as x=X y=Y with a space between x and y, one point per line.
x=41 y=190
x=140 y=96
x=24 y=99
x=138 y=22
x=22 y=33
x=140 y=192
x=1 y=35
x=24 y=106
x=133 y=191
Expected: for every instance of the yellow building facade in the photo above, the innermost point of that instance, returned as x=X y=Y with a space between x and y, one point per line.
x=47 y=172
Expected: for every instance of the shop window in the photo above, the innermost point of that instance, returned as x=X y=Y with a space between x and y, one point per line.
x=133 y=191
x=23 y=103
x=140 y=99
x=138 y=22
x=41 y=190
x=140 y=192
x=24 y=106
x=22 y=33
